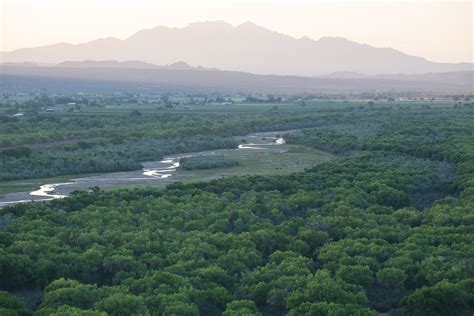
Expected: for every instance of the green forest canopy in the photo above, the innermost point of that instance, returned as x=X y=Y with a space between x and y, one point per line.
x=387 y=227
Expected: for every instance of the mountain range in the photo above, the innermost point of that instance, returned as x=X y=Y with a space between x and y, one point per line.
x=129 y=64
x=246 y=48
x=96 y=76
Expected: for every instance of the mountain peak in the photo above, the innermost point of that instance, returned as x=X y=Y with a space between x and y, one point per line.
x=249 y=24
x=252 y=27
x=208 y=24
x=180 y=65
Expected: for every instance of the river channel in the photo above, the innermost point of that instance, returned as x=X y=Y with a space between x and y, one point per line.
x=166 y=171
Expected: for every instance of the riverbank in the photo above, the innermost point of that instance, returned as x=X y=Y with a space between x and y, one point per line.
x=259 y=154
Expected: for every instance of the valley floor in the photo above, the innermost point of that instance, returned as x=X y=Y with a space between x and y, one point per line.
x=262 y=157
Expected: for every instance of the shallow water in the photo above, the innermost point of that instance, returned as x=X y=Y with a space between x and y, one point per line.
x=48 y=189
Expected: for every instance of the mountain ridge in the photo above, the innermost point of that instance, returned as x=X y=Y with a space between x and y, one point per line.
x=76 y=79
x=129 y=64
x=246 y=47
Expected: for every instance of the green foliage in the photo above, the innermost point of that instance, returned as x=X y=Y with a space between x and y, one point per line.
x=331 y=309
x=361 y=275
x=122 y=304
x=207 y=162
x=241 y=307
x=444 y=298
x=17 y=152
x=100 y=156
x=84 y=143
x=73 y=311
x=391 y=277
x=324 y=139
x=71 y=293
x=12 y=306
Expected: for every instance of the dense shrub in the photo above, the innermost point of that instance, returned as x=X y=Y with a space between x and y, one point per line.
x=207 y=162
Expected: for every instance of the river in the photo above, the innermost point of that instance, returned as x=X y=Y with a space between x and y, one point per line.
x=164 y=170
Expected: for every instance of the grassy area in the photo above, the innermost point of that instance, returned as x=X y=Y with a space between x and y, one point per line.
x=283 y=159
x=274 y=160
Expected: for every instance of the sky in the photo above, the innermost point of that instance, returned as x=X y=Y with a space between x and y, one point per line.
x=439 y=31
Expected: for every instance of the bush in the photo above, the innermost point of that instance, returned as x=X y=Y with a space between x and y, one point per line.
x=207 y=162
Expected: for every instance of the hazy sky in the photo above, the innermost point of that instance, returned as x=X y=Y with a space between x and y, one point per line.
x=439 y=31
